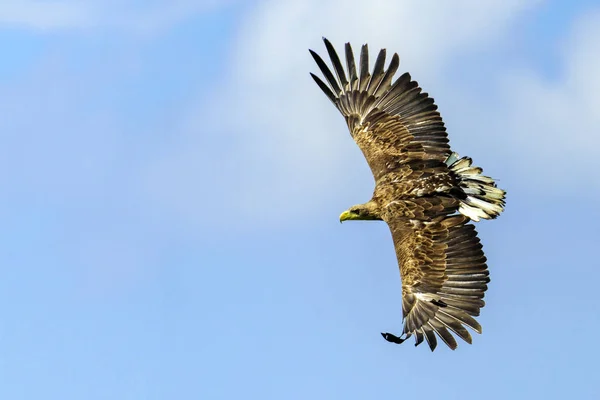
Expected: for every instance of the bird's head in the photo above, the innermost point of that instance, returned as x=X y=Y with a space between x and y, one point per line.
x=361 y=212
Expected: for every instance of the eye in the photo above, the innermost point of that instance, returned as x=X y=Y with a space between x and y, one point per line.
x=355 y=211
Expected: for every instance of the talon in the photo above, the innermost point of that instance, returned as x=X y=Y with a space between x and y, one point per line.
x=393 y=338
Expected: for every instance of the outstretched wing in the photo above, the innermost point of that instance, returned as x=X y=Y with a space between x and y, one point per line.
x=444 y=277
x=393 y=122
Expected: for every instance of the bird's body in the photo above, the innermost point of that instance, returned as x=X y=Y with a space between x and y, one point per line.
x=424 y=192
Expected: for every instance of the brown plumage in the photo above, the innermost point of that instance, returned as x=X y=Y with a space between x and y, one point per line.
x=424 y=192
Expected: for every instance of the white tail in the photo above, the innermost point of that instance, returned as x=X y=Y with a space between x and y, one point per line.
x=483 y=199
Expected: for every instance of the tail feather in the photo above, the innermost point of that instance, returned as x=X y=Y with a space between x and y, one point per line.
x=483 y=199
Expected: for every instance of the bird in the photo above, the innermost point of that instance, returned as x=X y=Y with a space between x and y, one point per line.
x=428 y=195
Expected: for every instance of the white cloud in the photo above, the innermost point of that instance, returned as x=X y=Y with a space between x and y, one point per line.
x=45 y=15
x=287 y=143
x=86 y=14
x=554 y=122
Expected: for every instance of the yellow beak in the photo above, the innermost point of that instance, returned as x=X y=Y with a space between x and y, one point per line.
x=345 y=216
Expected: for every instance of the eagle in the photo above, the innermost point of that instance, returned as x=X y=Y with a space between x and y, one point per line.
x=426 y=193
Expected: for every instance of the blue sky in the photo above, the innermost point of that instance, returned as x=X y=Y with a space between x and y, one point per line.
x=171 y=182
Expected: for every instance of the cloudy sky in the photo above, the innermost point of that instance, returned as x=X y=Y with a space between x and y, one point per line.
x=171 y=180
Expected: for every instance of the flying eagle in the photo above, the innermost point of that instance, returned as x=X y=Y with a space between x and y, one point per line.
x=426 y=194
